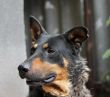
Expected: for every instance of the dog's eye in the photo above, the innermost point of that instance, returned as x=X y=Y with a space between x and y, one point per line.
x=50 y=50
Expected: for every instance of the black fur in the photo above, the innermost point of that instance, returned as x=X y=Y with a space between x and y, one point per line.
x=66 y=46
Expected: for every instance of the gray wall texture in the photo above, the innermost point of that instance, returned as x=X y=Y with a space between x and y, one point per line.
x=12 y=48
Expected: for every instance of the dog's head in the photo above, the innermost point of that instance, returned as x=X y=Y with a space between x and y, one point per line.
x=50 y=56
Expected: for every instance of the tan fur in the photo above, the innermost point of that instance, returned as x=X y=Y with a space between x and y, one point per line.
x=60 y=87
x=45 y=45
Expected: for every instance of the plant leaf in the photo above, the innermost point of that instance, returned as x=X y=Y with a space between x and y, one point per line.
x=106 y=54
x=108 y=21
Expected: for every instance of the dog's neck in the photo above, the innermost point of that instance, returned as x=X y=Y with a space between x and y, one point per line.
x=75 y=87
x=73 y=92
x=62 y=89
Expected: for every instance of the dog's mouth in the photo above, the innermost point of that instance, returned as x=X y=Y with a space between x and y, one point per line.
x=41 y=81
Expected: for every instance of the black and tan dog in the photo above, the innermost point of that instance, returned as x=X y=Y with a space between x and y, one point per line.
x=55 y=67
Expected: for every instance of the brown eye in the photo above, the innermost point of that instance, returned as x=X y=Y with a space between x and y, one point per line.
x=50 y=51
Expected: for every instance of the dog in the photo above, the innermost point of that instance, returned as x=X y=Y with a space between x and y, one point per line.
x=55 y=67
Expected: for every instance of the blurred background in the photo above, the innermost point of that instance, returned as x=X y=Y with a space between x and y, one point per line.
x=57 y=16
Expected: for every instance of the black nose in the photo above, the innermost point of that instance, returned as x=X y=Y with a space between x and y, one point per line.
x=23 y=69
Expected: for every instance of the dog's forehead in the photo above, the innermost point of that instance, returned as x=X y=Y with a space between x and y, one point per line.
x=51 y=39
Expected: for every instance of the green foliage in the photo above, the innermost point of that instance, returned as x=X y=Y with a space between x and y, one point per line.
x=106 y=77
x=108 y=21
x=106 y=54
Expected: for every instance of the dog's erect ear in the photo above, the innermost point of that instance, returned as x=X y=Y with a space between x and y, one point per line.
x=36 y=28
x=36 y=31
x=77 y=35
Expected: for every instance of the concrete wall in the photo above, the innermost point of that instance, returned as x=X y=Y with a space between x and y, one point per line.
x=12 y=48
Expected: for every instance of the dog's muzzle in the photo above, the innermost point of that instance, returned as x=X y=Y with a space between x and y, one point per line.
x=35 y=78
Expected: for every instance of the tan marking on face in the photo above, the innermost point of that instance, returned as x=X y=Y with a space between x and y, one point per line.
x=45 y=45
x=65 y=62
x=36 y=64
x=34 y=44
x=61 y=85
x=62 y=91
x=40 y=66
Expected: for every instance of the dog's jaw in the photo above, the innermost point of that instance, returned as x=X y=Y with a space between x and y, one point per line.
x=59 y=88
